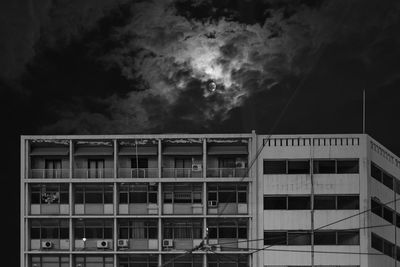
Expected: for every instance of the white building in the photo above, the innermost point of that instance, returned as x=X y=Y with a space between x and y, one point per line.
x=231 y=199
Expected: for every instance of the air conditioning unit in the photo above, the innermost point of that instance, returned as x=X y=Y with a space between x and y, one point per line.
x=168 y=243
x=196 y=167
x=102 y=244
x=47 y=244
x=123 y=243
x=240 y=164
x=212 y=203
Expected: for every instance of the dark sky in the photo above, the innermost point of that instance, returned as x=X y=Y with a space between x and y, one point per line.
x=107 y=66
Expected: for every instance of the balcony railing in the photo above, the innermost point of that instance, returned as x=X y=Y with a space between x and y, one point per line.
x=137 y=172
x=49 y=173
x=94 y=173
x=181 y=173
x=227 y=172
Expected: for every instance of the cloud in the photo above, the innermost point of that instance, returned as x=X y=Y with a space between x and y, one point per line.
x=27 y=25
x=169 y=57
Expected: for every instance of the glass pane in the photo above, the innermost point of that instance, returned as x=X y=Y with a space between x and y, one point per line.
x=324 y=202
x=348 y=238
x=274 y=167
x=275 y=203
x=299 y=203
x=347 y=166
x=376 y=172
x=299 y=238
x=348 y=202
x=299 y=167
x=325 y=238
x=275 y=238
x=324 y=166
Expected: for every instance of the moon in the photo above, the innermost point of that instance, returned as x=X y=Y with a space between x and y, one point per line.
x=212 y=86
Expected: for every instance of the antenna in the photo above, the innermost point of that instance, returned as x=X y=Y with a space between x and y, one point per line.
x=363 y=125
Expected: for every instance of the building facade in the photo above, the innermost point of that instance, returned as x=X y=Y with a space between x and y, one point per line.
x=220 y=200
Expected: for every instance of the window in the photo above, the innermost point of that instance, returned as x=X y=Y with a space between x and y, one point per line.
x=138 y=260
x=49 y=194
x=348 y=238
x=93 y=229
x=227 y=193
x=49 y=229
x=286 y=166
x=182 y=193
x=138 y=193
x=388 y=214
x=287 y=202
x=275 y=203
x=93 y=194
x=336 y=166
x=189 y=260
x=94 y=260
x=347 y=166
x=227 y=228
x=388 y=248
x=376 y=172
x=299 y=203
x=139 y=163
x=324 y=166
x=298 y=167
x=299 y=238
x=384 y=246
x=325 y=238
x=376 y=207
x=376 y=242
x=387 y=180
x=229 y=260
x=53 y=168
x=274 y=167
x=324 y=202
x=50 y=260
x=348 y=203
x=96 y=168
x=182 y=229
x=337 y=238
x=275 y=238
x=138 y=229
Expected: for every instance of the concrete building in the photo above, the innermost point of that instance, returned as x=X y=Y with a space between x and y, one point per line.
x=208 y=200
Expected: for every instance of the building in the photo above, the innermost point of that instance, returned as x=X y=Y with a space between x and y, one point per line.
x=220 y=200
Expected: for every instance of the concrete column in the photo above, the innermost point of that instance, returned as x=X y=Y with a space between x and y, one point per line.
x=159 y=158
x=115 y=158
x=71 y=158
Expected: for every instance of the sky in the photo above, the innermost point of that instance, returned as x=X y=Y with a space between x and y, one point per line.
x=131 y=66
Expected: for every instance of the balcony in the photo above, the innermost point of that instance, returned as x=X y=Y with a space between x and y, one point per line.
x=227 y=172
x=48 y=173
x=93 y=173
x=138 y=173
x=182 y=173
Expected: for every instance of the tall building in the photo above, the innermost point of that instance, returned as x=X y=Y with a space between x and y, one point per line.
x=220 y=200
